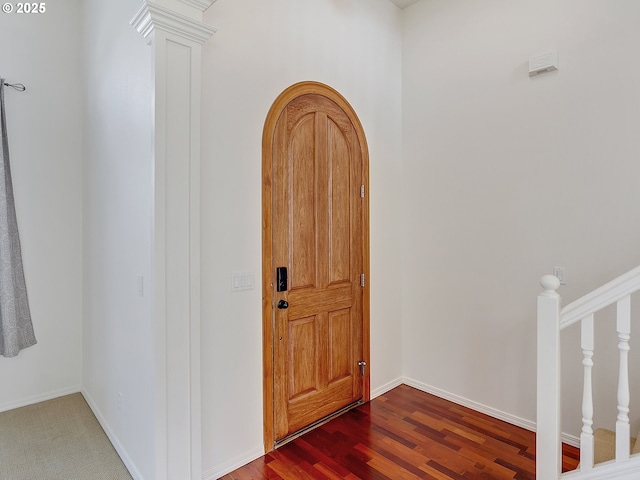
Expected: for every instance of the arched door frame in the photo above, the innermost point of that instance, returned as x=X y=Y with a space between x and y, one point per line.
x=294 y=91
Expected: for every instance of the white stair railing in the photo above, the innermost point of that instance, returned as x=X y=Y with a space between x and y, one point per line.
x=551 y=321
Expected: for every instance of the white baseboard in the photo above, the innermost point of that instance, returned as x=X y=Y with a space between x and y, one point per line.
x=122 y=452
x=571 y=440
x=23 y=402
x=233 y=464
x=479 y=407
x=386 y=387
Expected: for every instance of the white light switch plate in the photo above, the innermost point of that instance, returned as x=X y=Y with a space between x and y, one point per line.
x=242 y=281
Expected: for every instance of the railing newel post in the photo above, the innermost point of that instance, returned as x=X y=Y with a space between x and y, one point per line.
x=548 y=439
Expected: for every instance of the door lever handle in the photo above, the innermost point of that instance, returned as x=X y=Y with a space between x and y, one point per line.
x=282 y=304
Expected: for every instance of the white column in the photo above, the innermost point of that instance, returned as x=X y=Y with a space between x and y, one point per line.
x=176 y=33
x=548 y=444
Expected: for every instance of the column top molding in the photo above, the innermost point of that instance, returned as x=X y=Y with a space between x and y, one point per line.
x=152 y=16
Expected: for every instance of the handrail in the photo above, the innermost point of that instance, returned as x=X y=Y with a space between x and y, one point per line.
x=600 y=298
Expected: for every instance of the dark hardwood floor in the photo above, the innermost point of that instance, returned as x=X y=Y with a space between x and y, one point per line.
x=406 y=434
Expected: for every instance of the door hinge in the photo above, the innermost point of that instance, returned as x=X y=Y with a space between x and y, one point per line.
x=363 y=365
x=362 y=279
x=362 y=191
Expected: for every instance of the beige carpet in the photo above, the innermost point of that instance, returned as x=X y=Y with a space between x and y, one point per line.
x=604 y=446
x=57 y=440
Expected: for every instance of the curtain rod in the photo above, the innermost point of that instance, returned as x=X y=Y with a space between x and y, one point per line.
x=17 y=86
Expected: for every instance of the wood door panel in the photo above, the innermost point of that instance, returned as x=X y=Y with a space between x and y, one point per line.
x=302 y=192
x=340 y=205
x=317 y=225
x=303 y=337
x=340 y=358
x=304 y=302
x=308 y=409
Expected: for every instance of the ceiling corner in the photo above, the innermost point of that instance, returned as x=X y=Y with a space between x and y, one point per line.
x=403 y=3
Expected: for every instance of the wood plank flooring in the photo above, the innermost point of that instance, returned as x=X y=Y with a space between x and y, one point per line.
x=406 y=434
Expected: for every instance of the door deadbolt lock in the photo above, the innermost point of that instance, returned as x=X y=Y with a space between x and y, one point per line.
x=282 y=304
x=281 y=279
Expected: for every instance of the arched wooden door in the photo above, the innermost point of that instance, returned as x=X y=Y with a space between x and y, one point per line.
x=315 y=260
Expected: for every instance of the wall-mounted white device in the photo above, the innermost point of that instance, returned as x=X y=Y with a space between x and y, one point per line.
x=543 y=63
x=561 y=274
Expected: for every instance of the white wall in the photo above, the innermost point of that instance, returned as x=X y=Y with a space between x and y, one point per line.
x=260 y=49
x=118 y=328
x=45 y=140
x=506 y=176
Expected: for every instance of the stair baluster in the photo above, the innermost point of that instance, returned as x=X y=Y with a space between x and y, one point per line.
x=586 y=437
x=622 y=423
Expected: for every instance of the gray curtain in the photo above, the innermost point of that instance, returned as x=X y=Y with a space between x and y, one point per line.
x=16 y=329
